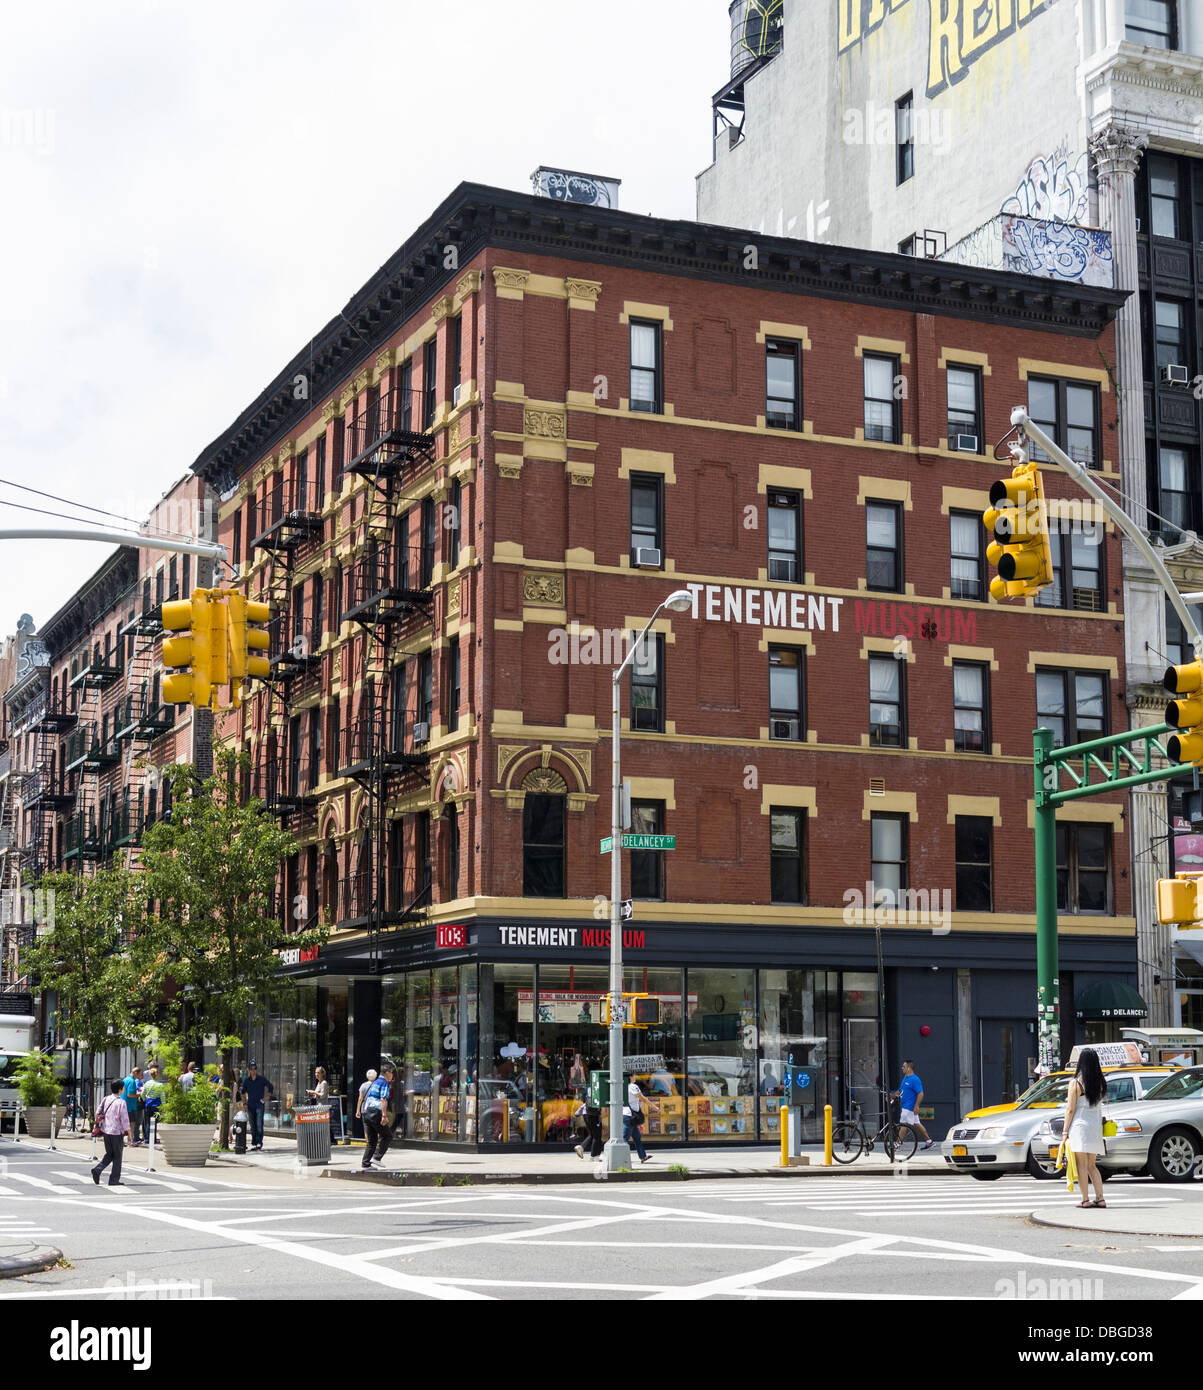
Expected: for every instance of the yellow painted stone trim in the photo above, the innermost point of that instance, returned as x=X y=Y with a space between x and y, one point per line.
x=778 y=475
x=654 y=789
x=582 y=294
x=884 y=490
x=1085 y=812
x=894 y=346
x=661 y=625
x=555 y=616
x=580 y=400
x=779 y=794
x=795 y=331
x=1030 y=366
x=647 y=461
x=1077 y=660
x=956 y=653
x=578 y=557
x=885 y=646
x=634 y=309
x=964 y=499
x=509 y=391
x=964 y=357
x=506 y=550
x=898 y=803
x=974 y=806
x=785 y=637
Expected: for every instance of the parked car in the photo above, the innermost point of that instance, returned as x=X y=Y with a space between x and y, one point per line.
x=1161 y=1135
x=1011 y=1140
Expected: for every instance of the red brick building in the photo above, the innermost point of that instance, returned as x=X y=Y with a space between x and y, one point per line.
x=528 y=428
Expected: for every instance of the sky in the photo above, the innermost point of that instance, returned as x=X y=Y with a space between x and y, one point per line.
x=189 y=192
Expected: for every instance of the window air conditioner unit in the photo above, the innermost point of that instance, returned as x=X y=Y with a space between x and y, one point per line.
x=1175 y=375
x=783 y=728
x=647 y=559
x=967 y=444
x=781 y=569
x=422 y=732
x=456 y=395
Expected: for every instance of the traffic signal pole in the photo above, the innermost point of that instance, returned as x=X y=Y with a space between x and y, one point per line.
x=1048 y=984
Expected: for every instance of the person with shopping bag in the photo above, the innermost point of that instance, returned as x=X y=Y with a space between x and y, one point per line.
x=1083 y=1134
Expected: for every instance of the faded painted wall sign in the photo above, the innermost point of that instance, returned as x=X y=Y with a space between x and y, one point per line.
x=960 y=30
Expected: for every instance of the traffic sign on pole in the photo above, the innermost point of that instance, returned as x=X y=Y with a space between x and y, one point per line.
x=640 y=842
x=626 y=909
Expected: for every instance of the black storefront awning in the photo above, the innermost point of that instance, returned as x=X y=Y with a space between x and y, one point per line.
x=1110 y=1000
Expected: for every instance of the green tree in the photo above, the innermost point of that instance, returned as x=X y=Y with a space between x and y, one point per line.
x=83 y=955
x=212 y=869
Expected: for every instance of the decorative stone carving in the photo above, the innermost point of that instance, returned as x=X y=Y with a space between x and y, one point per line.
x=544 y=781
x=579 y=478
x=505 y=756
x=454 y=439
x=361 y=382
x=1117 y=151
x=384 y=361
x=505 y=279
x=348 y=395
x=336 y=669
x=543 y=589
x=329 y=411
x=510 y=469
x=440 y=309
x=453 y=599
x=467 y=284
x=544 y=424
x=285 y=453
x=583 y=289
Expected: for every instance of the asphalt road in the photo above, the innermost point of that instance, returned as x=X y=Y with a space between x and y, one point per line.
x=923 y=1238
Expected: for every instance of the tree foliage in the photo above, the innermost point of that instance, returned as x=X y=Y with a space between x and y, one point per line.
x=211 y=869
x=83 y=955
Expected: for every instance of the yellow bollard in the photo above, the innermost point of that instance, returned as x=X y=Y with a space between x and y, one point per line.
x=784 y=1135
x=827 y=1136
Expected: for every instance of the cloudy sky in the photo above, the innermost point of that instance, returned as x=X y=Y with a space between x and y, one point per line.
x=190 y=191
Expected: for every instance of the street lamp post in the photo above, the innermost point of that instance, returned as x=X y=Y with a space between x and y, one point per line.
x=617 y=1154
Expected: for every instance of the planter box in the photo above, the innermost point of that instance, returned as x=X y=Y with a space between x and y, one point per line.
x=186 y=1146
x=37 y=1120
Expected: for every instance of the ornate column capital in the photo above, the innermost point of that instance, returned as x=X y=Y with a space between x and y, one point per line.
x=1116 y=150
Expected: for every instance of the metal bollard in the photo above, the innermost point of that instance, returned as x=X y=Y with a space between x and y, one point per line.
x=17 y=1126
x=150 y=1146
x=784 y=1136
x=827 y=1136
x=53 y=1118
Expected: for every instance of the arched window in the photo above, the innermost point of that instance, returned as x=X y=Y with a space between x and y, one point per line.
x=543 y=834
x=451 y=888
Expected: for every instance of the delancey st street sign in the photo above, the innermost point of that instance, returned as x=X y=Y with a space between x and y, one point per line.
x=640 y=842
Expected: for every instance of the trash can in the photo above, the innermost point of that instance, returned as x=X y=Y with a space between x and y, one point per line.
x=313 y=1133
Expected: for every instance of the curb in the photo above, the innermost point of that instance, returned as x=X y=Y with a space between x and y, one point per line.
x=1065 y=1224
x=41 y=1258
x=398 y=1178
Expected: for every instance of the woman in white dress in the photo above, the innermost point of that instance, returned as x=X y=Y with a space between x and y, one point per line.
x=1084 y=1124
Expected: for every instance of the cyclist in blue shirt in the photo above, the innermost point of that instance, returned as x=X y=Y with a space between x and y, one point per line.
x=910 y=1092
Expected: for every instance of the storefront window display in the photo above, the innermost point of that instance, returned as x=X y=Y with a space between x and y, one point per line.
x=722 y=1074
x=799 y=1018
x=654 y=1057
x=416 y=1080
x=506 y=1089
x=303 y=1026
x=861 y=1068
x=573 y=1042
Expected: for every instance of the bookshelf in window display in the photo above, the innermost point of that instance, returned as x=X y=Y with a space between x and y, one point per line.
x=723 y=1117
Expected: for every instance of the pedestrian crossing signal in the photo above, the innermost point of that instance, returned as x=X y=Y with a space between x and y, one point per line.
x=1179 y=900
x=638 y=1010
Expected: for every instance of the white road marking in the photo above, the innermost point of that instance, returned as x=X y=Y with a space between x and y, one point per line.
x=117 y=1293
x=41 y=1183
x=783 y=1269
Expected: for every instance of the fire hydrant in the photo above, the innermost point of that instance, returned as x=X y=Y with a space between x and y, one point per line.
x=239 y=1126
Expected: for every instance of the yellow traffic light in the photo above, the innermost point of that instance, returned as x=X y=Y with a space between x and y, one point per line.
x=1178 y=899
x=1186 y=746
x=1018 y=523
x=190 y=654
x=246 y=642
x=642 y=1010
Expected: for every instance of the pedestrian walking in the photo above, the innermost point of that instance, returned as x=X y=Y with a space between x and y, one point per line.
x=256 y=1089
x=377 y=1121
x=188 y=1078
x=633 y=1117
x=153 y=1091
x=910 y=1093
x=131 y=1089
x=1084 y=1124
x=363 y=1090
x=113 y=1123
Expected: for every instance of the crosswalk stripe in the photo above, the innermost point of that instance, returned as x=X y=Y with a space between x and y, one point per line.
x=41 y=1183
x=129 y=1179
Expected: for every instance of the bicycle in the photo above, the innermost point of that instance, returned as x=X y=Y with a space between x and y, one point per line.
x=850 y=1138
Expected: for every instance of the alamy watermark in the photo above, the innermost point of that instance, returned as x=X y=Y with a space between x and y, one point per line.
x=1054 y=1290
x=907 y=907
x=27 y=128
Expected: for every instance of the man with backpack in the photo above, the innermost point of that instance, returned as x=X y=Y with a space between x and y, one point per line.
x=377 y=1121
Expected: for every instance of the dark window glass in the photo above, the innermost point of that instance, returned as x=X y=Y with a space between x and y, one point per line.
x=647 y=514
x=422 y=851
x=543 y=846
x=647 y=865
x=1176 y=505
x=975 y=889
x=1083 y=868
x=888 y=857
x=428 y=539
x=904 y=136
x=1067 y=411
x=882 y=418
x=787 y=829
x=785 y=693
x=451 y=890
x=964 y=407
x=301 y=499
x=430 y=393
x=456 y=519
x=1073 y=704
x=887 y=723
x=1077 y=551
x=785 y=537
x=1178 y=649
x=783 y=384
x=453 y=684
x=1165 y=196
x=455 y=350
x=186 y=588
x=968 y=556
x=319 y=474
x=1170 y=333
x=647 y=684
x=971 y=712
x=883 y=546
x=646 y=370
x=405 y=394
x=425 y=692
x=1151 y=22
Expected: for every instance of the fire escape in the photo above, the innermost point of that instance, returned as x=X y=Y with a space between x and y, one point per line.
x=286 y=524
x=139 y=719
x=89 y=752
x=389 y=598
x=48 y=792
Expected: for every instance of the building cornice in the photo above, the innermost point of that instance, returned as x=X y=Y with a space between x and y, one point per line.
x=92 y=602
x=476 y=217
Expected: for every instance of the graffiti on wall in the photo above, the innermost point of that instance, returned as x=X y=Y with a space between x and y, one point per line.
x=961 y=30
x=1032 y=246
x=1052 y=187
